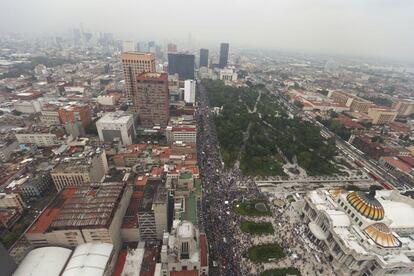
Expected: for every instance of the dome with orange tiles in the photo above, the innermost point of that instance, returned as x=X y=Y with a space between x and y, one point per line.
x=366 y=204
x=381 y=235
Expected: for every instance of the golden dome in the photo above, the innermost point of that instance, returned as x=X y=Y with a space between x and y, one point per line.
x=381 y=235
x=366 y=204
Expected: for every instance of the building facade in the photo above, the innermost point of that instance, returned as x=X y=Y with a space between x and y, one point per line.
x=224 y=55
x=362 y=233
x=381 y=116
x=116 y=125
x=88 y=213
x=189 y=91
x=91 y=166
x=135 y=63
x=151 y=99
x=405 y=107
x=184 y=250
x=75 y=113
x=12 y=200
x=181 y=64
x=40 y=139
x=203 y=57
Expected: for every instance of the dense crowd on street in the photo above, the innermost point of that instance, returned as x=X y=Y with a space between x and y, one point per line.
x=221 y=189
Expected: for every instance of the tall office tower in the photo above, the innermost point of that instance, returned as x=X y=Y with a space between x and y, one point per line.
x=172 y=48
x=189 y=91
x=224 y=55
x=135 y=63
x=203 y=57
x=151 y=100
x=181 y=64
x=128 y=46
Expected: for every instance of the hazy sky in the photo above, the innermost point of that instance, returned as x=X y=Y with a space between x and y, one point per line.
x=383 y=28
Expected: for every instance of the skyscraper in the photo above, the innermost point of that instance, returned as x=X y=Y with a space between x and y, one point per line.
x=224 y=55
x=181 y=64
x=151 y=100
x=203 y=57
x=135 y=63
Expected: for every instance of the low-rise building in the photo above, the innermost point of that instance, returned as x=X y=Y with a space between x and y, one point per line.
x=186 y=134
x=87 y=166
x=42 y=136
x=106 y=100
x=88 y=213
x=12 y=200
x=6 y=149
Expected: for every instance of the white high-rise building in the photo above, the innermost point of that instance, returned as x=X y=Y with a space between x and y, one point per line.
x=189 y=91
x=116 y=125
x=128 y=46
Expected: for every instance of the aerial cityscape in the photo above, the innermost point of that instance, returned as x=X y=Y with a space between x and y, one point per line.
x=206 y=146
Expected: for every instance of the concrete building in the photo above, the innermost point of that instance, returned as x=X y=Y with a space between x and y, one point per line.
x=184 y=251
x=128 y=46
x=75 y=113
x=404 y=107
x=40 y=139
x=203 y=58
x=181 y=64
x=353 y=102
x=116 y=125
x=6 y=149
x=50 y=117
x=88 y=166
x=189 y=91
x=152 y=212
x=151 y=99
x=28 y=107
x=362 y=233
x=171 y=48
x=31 y=186
x=88 y=213
x=228 y=74
x=106 y=100
x=12 y=200
x=381 y=116
x=186 y=134
x=135 y=63
x=224 y=55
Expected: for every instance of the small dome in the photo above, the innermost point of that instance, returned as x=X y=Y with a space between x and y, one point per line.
x=381 y=235
x=366 y=204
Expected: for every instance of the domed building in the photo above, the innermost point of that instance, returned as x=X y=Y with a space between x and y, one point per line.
x=184 y=252
x=362 y=233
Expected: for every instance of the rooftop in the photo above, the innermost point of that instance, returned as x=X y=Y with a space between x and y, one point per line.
x=90 y=205
x=115 y=117
x=89 y=259
x=44 y=261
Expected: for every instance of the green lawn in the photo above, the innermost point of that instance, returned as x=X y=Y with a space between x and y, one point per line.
x=253 y=208
x=257 y=228
x=281 y=272
x=265 y=252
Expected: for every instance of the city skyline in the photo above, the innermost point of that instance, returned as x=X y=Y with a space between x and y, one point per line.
x=368 y=28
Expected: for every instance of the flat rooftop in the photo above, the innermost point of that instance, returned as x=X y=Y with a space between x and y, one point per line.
x=90 y=205
x=115 y=117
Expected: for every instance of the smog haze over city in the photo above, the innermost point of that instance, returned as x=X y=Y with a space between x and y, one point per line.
x=206 y=138
x=373 y=28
